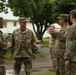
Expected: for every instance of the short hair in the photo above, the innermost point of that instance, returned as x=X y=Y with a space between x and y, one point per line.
x=73 y=13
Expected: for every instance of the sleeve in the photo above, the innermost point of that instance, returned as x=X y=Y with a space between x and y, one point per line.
x=70 y=44
x=12 y=43
x=2 y=45
x=34 y=48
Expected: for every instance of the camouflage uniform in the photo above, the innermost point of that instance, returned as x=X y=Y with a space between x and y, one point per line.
x=60 y=46
x=52 y=50
x=2 y=51
x=60 y=50
x=23 y=49
x=70 y=53
x=2 y=54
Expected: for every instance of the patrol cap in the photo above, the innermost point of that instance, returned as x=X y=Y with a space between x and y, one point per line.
x=63 y=16
x=22 y=19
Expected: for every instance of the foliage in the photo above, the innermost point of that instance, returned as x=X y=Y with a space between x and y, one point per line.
x=3 y=6
x=64 y=6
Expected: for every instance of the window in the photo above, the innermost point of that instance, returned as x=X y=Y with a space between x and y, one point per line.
x=15 y=23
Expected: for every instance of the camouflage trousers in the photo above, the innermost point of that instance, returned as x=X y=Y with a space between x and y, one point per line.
x=2 y=67
x=71 y=70
x=60 y=64
x=27 y=65
x=53 y=56
x=2 y=70
x=60 y=67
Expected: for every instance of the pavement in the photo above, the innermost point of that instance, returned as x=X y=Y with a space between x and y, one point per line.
x=40 y=65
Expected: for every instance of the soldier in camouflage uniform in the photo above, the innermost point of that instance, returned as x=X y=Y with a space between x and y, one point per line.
x=2 y=50
x=70 y=53
x=23 y=48
x=51 y=46
x=60 y=44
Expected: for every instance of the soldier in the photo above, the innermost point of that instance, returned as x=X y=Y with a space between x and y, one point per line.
x=51 y=46
x=23 y=48
x=2 y=49
x=70 y=54
x=60 y=43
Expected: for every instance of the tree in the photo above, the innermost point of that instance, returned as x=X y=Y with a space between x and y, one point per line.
x=40 y=12
x=3 y=6
x=63 y=6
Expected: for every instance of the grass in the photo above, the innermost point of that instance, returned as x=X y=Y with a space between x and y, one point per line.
x=46 y=42
x=40 y=55
x=50 y=73
x=7 y=57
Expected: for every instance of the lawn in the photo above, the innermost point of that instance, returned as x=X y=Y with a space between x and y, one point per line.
x=49 y=73
x=46 y=42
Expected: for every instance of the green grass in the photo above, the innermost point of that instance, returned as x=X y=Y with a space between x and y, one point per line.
x=50 y=73
x=40 y=55
x=46 y=42
x=7 y=57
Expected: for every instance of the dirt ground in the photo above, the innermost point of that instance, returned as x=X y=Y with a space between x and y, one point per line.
x=40 y=65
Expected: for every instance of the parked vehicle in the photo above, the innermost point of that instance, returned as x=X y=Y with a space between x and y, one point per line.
x=38 y=44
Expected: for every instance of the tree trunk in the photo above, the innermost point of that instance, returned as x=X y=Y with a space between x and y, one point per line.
x=39 y=36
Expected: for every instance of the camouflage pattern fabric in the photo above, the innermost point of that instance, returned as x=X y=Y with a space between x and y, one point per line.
x=27 y=65
x=23 y=43
x=70 y=53
x=2 y=54
x=52 y=50
x=23 y=49
x=2 y=70
x=71 y=70
x=60 y=50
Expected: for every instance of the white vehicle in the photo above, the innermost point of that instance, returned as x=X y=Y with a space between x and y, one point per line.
x=38 y=44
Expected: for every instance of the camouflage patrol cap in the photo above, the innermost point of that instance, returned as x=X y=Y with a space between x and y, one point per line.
x=22 y=19
x=63 y=16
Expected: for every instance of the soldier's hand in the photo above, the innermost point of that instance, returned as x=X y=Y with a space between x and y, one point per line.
x=51 y=30
x=34 y=56
x=66 y=63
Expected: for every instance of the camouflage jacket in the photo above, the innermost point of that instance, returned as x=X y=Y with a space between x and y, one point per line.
x=52 y=41
x=61 y=38
x=70 y=53
x=60 y=43
x=22 y=43
x=2 y=46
